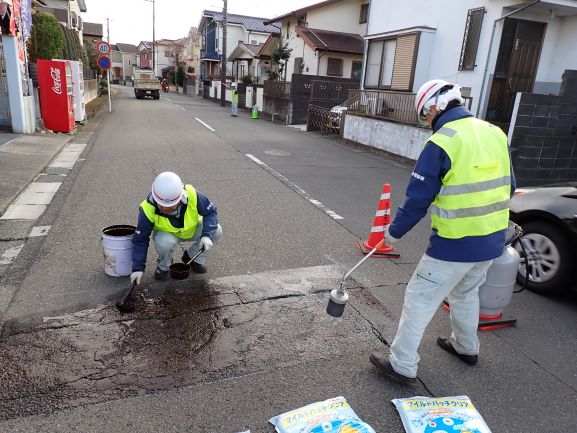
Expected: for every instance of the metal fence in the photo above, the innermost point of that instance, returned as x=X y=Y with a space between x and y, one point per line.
x=388 y=105
x=383 y=104
x=331 y=91
x=277 y=89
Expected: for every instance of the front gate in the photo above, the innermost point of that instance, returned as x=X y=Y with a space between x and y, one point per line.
x=324 y=120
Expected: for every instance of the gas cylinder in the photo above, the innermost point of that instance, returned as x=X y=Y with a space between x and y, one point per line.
x=496 y=292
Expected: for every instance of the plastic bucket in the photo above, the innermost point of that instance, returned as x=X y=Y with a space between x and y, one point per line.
x=117 y=248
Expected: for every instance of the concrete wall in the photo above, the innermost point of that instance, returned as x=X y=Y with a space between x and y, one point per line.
x=396 y=138
x=90 y=90
x=444 y=47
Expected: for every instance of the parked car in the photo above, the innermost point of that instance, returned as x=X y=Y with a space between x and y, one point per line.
x=548 y=216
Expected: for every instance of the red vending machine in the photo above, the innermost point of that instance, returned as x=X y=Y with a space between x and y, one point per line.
x=56 y=94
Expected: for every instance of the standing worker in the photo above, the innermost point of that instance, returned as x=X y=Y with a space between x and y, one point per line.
x=173 y=213
x=234 y=101
x=464 y=172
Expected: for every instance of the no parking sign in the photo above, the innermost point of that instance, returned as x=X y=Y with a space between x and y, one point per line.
x=104 y=62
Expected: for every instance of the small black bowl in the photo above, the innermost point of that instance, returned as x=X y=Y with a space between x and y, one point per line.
x=179 y=271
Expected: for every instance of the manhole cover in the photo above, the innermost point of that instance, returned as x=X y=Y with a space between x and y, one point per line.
x=276 y=153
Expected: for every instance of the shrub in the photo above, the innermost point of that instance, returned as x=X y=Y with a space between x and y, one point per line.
x=47 y=38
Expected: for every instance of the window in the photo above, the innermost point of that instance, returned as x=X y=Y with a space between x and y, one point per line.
x=288 y=27
x=167 y=53
x=128 y=62
x=357 y=71
x=335 y=67
x=471 y=39
x=364 y=14
x=145 y=56
x=391 y=62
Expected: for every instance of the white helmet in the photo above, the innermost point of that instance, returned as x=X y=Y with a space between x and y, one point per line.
x=438 y=93
x=167 y=189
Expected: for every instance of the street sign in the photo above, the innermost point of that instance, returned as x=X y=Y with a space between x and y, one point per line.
x=104 y=62
x=103 y=48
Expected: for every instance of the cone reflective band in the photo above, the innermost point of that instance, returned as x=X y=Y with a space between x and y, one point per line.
x=381 y=222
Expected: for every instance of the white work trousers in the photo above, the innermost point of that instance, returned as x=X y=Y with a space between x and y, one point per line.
x=165 y=244
x=234 y=108
x=432 y=282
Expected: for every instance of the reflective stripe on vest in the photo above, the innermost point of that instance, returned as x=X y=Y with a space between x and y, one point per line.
x=475 y=192
x=162 y=223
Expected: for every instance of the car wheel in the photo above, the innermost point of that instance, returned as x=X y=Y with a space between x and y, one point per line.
x=548 y=257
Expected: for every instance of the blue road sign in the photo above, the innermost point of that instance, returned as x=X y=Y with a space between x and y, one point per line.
x=104 y=62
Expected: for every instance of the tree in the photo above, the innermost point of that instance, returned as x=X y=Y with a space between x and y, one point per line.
x=280 y=56
x=92 y=54
x=47 y=38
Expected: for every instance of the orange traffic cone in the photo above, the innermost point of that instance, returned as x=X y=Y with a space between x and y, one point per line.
x=381 y=221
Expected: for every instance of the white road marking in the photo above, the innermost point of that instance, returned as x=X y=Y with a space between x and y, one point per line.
x=39 y=231
x=296 y=188
x=10 y=254
x=182 y=108
x=169 y=100
x=32 y=202
x=205 y=124
x=68 y=156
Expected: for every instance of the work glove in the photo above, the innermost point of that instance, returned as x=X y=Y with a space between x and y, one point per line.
x=205 y=243
x=136 y=276
x=389 y=240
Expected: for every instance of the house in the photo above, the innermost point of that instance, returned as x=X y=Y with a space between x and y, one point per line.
x=493 y=49
x=92 y=32
x=246 y=61
x=168 y=54
x=192 y=46
x=123 y=58
x=317 y=47
x=515 y=60
x=240 y=28
x=144 y=55
x=67 y=12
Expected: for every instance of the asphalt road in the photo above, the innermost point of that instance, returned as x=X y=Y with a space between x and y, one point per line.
x=253 y=340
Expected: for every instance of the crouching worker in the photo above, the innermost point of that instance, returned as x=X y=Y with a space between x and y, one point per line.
x=174 y=213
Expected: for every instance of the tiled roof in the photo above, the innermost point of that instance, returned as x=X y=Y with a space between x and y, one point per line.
x=127 y=48
x=326 y=40
x=253 y=48
x=92 y=29
x=254 y=24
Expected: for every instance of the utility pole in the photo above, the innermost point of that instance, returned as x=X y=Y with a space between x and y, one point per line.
x=223 y=57
x=108 y=71
x=153 y=37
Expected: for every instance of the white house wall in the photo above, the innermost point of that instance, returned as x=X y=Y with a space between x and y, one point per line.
x=561 y=40
x=342 y=16
x=443 y=46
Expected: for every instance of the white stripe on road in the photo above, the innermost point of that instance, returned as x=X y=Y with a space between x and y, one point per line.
x=169 y=100
x=10 y=254
x=68 y=156
x=205 y=124
x=296 y=188
x=39 y=231
x=32 y=203
x=182 y=108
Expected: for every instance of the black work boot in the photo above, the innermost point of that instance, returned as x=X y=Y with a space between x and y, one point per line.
x=198 y=268
x=159 y=274
x=185 y=257
x=382 y=363
x=446 y=345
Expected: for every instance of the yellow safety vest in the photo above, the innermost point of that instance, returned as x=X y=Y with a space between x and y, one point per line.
x=162 y=223
x=475 y=193
x=234 y=97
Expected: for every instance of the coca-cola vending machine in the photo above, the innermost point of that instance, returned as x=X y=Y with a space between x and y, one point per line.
x=56 y=94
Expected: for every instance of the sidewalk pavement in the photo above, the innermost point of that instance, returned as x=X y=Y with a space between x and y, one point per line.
x=22 y=159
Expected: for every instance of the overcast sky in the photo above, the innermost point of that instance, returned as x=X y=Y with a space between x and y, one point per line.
x=131 y=20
